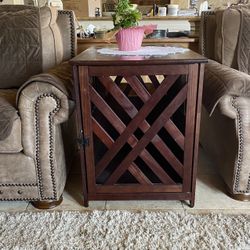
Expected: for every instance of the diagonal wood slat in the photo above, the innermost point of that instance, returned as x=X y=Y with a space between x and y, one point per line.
x=138 y=174
x=101 y=133
x=132 y=140
x=141 y=80
x=137 y=119
x=154 y=80
x=108 y=141
x=148 y=136
x=144 y=126
x=118 y=81
x=144 y=95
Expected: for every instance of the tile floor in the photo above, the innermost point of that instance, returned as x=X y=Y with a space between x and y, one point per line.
x=210 y=197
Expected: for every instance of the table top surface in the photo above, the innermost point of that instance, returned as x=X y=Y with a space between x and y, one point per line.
x=145 y=40
x=91 y=57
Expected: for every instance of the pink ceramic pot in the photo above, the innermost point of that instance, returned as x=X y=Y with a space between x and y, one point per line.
x=130 y=39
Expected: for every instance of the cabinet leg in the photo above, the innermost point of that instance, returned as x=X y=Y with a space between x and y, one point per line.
x=85 y=202
x=191 y=203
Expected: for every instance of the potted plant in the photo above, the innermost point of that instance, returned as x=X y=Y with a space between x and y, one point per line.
x=128 y=34
x=126 y=15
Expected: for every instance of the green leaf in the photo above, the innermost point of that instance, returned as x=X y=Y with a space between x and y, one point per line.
x=125 y=15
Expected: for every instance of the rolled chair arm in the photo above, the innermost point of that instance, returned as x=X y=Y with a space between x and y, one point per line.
x=238 y=108
x=227 y=93
x=221 y=80
x=42 y=108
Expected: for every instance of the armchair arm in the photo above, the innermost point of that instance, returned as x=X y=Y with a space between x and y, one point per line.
x=229 y=89
x=220 y=80
x=232 y=121
x=43 y=106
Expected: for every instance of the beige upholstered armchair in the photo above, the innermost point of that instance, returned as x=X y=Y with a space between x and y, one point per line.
x=225 y=126
x=35 y=102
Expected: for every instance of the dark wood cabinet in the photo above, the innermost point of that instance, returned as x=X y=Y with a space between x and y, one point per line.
x=139 y=122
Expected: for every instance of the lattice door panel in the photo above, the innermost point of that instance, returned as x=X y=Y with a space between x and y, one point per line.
x=139 y=131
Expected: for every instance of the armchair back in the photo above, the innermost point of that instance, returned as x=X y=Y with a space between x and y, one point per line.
x=219 y=36
x=33 y=40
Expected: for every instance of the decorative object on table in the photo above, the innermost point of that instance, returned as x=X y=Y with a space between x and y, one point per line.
x=97 y=12
x=144 y=51
x=173 y=9
x=130 y=39
x=158 y=34
x=162 y=11
x=127 y=16
x=128 y=34
x=155 y=9
x=100 y=33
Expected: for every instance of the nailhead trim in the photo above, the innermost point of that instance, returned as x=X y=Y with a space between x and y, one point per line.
x=72 y=28
x=19 y=199
x=240 y=152
x=37 y=144
x=18 y=185
x=205 y=14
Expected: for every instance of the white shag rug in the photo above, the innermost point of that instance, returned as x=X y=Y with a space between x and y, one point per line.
x=122 y=230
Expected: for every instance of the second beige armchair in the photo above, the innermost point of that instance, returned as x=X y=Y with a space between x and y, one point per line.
x=225 y=125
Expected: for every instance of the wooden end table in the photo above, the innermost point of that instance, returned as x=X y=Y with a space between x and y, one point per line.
x=138 y=124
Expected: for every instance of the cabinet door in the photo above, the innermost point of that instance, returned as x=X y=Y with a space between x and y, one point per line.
x=140 y=126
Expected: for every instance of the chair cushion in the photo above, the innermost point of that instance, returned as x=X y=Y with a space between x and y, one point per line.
x=10 y=123
x=226 y=37
x=18 y=173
